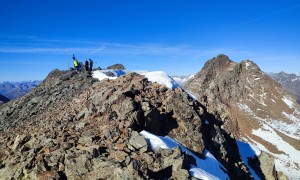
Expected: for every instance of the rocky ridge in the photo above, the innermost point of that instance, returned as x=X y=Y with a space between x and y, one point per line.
x=75 y=127
x=251 y=106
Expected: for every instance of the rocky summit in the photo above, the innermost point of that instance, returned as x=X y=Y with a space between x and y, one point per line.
x=72 y=126
x=253 y=108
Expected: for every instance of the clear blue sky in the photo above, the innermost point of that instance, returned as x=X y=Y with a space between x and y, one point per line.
x=175 y=36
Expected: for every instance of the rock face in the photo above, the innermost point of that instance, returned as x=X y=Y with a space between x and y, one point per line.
x=3 y=99
x=116 y=66
x=251 y=106
x=75 y=127
x=290 y=82
x=13 y=90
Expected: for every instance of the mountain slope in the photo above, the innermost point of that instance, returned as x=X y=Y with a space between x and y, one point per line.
x=72 y=126
x=290 y=82
x=253 y=107
x=3 y=99
x=13 y=90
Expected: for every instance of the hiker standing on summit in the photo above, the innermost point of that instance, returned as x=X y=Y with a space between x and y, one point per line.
x=76 y=67
x=86 y=66
x=91 y=64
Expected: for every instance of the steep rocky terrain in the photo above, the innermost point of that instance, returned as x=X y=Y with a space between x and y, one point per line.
x=13 y=90
x=3 y=99
x=252 y=107
x=76 y=127
x=290 y=82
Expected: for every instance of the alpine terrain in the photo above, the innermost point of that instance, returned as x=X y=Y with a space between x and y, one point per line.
x=290 y=82
x=122 y=126
x=13 y=90
x=255 y=109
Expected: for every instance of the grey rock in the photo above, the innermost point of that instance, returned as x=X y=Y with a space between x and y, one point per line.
x=137 y=141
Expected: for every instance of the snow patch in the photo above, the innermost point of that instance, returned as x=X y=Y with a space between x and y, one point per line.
x=244 y=108
x=294 y=79
x=101 y=75
x=285 y=162
x=206 y=168
x=247 y=65
x=288 y=102
x=161 y=78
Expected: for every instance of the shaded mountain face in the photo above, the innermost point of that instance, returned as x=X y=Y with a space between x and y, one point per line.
x=13 y=90
x=72 y=126
x=290 y=82
x=252 y=107
x=3 y=99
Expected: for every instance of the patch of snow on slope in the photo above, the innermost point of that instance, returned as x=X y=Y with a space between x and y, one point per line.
x=249 y=81
x=248 y=151
x=289 y=129
x=285 y=162
x=207 y=168
x=260 y=102
x=247 y=64
x=161 y=78
x=244 y=108
x=291 y=117
x=294 y=79
x=288 y=102
x=101 y=75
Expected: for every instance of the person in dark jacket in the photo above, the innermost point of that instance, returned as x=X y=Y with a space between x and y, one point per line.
x=91 y=64
x=86 y=66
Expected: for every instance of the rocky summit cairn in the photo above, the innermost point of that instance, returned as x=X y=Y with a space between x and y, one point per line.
x=250 y=106
x=74 y=127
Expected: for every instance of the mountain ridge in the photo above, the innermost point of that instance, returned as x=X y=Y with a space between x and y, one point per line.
x=72 y=125
x=250 y=105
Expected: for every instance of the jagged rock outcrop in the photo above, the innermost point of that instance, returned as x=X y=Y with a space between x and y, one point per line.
x=72 y=126
x=116 y=66
x=251 y=106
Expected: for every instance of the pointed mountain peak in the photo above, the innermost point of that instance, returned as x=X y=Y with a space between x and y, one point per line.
x=219 y=61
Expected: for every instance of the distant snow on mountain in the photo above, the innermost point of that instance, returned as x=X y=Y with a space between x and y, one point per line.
x=182 y=79
x=3 y=99
x=290 y=82
x=13 y=90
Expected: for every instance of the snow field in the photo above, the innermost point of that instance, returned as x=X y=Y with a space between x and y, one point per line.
x=207 y=168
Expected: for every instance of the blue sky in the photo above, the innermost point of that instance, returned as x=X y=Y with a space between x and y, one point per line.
x=174 y=36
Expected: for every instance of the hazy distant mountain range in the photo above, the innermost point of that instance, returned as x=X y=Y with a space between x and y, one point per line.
x=290 y=82
x=13 y=90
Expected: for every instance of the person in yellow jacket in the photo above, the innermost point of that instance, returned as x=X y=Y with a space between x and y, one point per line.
x=76 y=65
